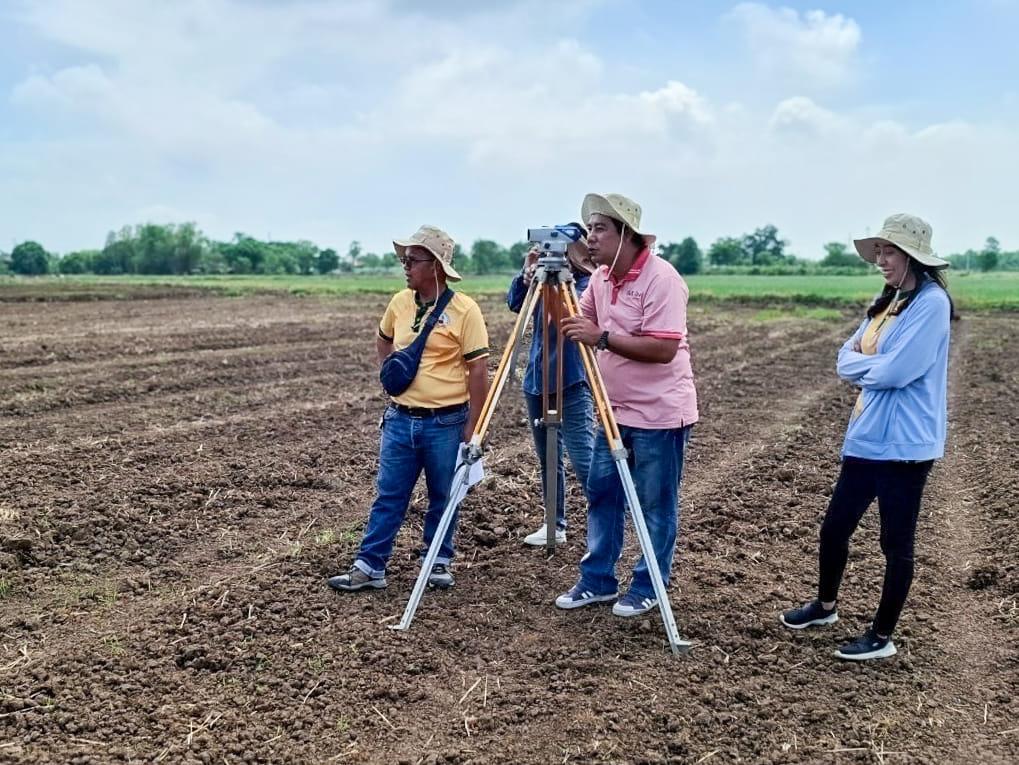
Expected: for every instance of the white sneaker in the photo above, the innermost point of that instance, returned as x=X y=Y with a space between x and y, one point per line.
x=631 y=605
x=539 y=537
x=578 y=597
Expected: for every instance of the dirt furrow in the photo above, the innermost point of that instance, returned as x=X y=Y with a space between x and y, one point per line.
x=162 y=560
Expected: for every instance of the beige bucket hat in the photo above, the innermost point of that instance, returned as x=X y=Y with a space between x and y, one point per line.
x=437 y=242
x=907 y=232
x=617 y=207
x=578 y=254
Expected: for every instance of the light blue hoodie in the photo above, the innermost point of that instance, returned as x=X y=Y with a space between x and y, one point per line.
x=904 y=385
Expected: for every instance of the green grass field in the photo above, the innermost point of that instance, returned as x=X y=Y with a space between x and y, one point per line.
x=969 y=290
x=998 y=290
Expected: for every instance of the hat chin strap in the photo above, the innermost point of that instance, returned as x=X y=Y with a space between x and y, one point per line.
x=619 y=249
x=898 y=287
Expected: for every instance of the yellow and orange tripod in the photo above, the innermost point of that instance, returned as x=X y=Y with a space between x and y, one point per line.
x=553 y=285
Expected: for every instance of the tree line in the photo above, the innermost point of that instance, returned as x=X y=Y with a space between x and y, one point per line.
x=182 y=248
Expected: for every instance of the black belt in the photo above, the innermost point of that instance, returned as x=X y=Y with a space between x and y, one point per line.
x=421 y=411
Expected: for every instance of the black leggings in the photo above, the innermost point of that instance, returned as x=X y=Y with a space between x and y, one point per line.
x=898 y=487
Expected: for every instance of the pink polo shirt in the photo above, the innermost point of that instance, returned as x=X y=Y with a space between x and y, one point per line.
x=649 y=301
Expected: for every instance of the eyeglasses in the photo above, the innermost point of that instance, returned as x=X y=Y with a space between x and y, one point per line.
x=405 y=261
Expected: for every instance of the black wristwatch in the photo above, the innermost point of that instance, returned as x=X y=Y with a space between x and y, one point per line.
x=603 y=342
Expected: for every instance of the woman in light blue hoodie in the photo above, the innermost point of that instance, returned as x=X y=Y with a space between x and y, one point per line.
x=898 y=357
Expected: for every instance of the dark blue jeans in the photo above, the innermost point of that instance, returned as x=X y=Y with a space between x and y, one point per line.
x=410 y=444
x=655 y=458
x=576 y=433
x=898 y=487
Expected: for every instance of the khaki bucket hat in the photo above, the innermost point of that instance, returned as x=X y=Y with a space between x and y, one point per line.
x=617 y=207
x=437 y=242
x=907 y=232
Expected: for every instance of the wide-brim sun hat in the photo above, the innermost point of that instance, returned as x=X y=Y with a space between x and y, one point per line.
x=909 y=233
x=437 y=242
x=617 y=207
x=578 y=254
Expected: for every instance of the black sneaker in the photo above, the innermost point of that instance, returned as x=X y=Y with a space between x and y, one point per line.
x=440 y=578
x=869 y=645
x=355 y=580
x=811 y=614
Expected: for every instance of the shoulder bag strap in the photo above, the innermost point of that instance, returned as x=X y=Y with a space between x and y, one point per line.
x=433 y=317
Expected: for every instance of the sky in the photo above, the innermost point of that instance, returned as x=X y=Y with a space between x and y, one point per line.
x=341 y=120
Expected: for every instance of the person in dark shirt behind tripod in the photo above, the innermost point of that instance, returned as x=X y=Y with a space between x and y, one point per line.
x=576 y=432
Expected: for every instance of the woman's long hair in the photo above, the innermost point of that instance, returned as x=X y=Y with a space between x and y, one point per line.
x=920 y=271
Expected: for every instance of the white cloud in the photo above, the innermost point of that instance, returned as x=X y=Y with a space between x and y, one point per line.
x=813 y=49
x=528 y=110
x=677 y=101
x=477 y=91
x=69 y=89
x=800 y=114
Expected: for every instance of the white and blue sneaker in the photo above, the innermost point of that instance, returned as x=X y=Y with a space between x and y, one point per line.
x=578 y=597
x=633 y=605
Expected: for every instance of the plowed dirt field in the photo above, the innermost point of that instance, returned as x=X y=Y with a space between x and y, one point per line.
x=179 y=473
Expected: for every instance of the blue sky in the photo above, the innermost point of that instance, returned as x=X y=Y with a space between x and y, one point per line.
x=361 y=119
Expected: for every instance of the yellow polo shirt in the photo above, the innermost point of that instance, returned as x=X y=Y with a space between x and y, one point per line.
x=459 y=336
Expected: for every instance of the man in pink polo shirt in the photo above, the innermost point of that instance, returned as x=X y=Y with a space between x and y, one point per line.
x=634 y=314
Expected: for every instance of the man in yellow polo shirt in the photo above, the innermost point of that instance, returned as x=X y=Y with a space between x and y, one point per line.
x=423 y=426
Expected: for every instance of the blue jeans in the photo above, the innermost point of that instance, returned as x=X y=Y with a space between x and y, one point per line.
x=408 y=445
x=655 y=458
x=577 y=434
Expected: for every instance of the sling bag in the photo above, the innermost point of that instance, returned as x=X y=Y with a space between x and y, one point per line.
x=400 y=367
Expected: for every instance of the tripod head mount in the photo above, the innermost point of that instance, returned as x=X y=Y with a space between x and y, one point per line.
x=552 y=269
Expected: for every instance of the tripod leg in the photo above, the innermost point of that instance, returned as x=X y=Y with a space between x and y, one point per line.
x=518 y=333
x=551 y=411
x=594 y=378
x=503 y=371
x=630 y=491
x=513 y=362
x=551 y=485
x=459 y=478
x=648 y=549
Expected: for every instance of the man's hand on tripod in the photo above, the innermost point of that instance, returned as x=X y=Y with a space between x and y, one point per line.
x=530 y=264
x=581 y=329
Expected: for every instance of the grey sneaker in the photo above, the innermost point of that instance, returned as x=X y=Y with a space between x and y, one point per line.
x=355 y=580
x=440 y=578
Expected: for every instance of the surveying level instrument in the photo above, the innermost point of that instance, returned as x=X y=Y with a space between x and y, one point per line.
x=552 y=284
